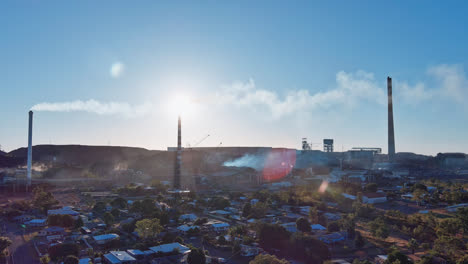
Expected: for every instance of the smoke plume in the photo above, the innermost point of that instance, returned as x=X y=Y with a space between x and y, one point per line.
x=94 y=106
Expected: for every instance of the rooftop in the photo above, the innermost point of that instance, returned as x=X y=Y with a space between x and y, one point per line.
x=167 y=248
x=106 y=237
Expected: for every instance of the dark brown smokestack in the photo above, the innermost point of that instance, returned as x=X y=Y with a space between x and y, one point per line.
x=391 y=133
x=179 y=156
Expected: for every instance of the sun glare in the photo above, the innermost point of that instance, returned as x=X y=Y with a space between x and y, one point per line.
x=181 y=105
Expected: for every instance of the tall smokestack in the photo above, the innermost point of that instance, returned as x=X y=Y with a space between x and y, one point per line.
x=30 y=147
x=178 y=164
x=391 y=133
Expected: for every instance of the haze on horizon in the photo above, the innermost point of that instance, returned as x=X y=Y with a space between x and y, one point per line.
x=249 y=74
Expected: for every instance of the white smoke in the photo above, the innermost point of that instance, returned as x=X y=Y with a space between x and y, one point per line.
x=248 y=160
x=94 y=106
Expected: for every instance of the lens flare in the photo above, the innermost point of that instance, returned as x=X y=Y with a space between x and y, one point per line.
x=323 y=187
x=278 y=164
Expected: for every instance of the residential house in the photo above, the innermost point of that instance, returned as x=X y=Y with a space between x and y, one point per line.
x=373 y=198
x=52 y=230
x=171 y=247
x=102 y=239
x=118 y=257
x=188 y=217
x=36 y=223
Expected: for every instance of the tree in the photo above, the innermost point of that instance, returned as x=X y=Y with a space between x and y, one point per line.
x=259 y=210
x=43 y=200
x=221 y=240
x=397 y=257
x=71 y=260
x=45 y=259
x=371 y=187
x=379 y=228
x=462 y=215
x=62 y=250
x=359 y=241
x=115 y=212
x=449 y=226
x=119 y=202
x=99 y=207
x=108 y=218
x=196 y=256
x=413 y=245
x=313 y=214
x=128 y=227
x=333 y=227
x=148 y=228
x=4 y=243
x=246 y=210
x=267 y=259
x=79 y=222
x=272 y=235
x=303 y=225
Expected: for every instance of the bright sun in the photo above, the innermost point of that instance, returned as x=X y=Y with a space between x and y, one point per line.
x=181 y=104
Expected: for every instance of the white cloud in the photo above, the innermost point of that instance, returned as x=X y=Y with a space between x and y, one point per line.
x=117 y=69
x=94 y=106
x=452 y=81
x=350 y=88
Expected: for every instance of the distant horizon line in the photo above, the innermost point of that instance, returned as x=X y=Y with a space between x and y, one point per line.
x=216 y=147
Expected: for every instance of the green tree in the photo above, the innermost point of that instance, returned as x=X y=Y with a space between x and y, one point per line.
x=148 y=228
x=313 y=214
x=413 y=245
x=247 y=210
x=79 y=222
x=397 y=257
x=115 y=212
x=259 y=210
x=4 y=243
x=379 y=228
x=45 y=259
x=119 y=202
x=99 y=207
x=272 y=235
x=63 y=250
x=196 y=256
x=371 y=187
x=359 y=241
x=267 y=259
x=43 y=200
x=462 y=215
x=303 y=225
x=71 y=260
x=108 y=219
x=449 y=226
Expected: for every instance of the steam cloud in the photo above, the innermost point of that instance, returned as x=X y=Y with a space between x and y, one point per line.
x=252 y=161
x=94 y=106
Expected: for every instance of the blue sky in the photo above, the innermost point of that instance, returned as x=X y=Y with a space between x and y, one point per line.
x=249 y=73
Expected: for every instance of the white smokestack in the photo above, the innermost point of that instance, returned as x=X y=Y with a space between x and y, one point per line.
x=30 y=146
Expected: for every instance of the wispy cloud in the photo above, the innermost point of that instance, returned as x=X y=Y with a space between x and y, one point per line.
x=350 y=88
x=452 y=81
x=97 y=107
x=117 y=69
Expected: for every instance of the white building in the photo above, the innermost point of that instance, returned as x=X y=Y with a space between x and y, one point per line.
x=168 y=248
x=119 y=257
x=373 y=198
